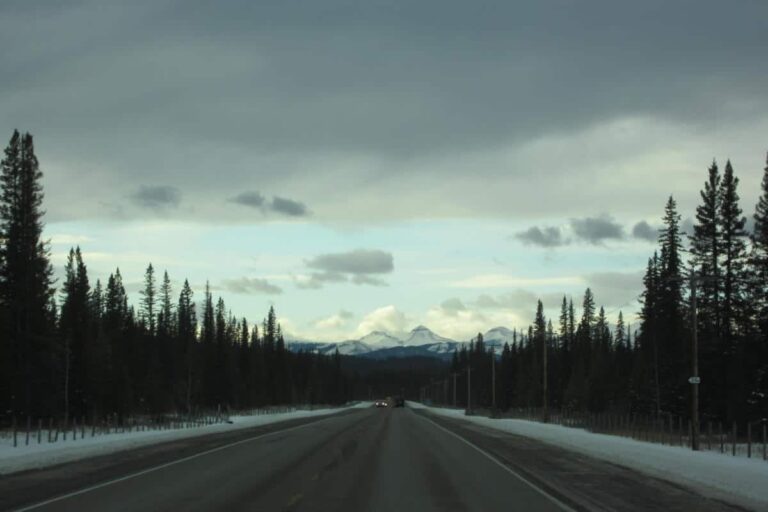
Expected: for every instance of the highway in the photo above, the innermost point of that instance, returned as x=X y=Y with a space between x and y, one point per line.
x=358 y=460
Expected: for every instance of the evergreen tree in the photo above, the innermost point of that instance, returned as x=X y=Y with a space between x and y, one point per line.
x=759 y=256
x=25 y=283
x=706 y=247
x=148 y=300
x=734 y=251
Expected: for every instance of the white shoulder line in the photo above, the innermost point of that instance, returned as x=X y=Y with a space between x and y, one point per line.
x=503 y=466
x=156 y=468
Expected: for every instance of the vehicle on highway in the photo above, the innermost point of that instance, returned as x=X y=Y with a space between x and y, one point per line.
x=381 y=403
x=399 y=401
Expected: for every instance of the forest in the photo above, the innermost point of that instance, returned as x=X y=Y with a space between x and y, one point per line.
x=78 y=348
x=594 y=366
x=82 y=351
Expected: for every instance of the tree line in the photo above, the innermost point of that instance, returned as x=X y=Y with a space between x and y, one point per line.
x=592 y=366
x=83 y=350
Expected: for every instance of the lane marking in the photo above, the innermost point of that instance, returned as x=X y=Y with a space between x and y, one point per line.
x=162 y=466
x=503 y=466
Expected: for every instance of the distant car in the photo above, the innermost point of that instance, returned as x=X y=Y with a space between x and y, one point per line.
x=381 y=403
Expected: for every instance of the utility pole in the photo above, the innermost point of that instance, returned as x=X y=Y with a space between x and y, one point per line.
x=469 y=390
x=493 y=379
x=694 y=380
x=545 y=385
x=454 y=388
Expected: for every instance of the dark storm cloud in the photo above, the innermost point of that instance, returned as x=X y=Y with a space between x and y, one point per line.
x=156 y=197
x=543 y=237
x=201 y=88
x=251 y=285
x=645 y=231
x=596 y=230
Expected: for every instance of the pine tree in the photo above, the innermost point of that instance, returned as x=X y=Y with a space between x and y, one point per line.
x=165 y=322
x=734 y=304
x=759 y=256
x=25 y=283
x=734 y=251
x=148 y=300
x=186 y=335
x=706 y=251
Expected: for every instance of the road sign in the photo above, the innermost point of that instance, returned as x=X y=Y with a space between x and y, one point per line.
x=694 y=380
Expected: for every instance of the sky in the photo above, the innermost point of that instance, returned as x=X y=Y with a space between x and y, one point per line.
x=379 y=165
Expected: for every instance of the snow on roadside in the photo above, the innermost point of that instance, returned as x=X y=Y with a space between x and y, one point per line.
x=45 y=454
x=732 y=479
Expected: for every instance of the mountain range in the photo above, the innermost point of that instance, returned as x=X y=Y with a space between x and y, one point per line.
x=421 y=341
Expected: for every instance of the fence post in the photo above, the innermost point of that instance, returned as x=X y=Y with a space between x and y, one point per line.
x=39 y=430
x=749 y=440
x=720 y=435
x=733 y=439
x=14 y=432
x=709 y=436
x=765 y=454
x=29 y=425
x=50 y=428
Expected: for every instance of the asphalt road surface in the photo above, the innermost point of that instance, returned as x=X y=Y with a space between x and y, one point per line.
x=366 y=459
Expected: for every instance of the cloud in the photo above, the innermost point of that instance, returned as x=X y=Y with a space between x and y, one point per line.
x=251 y=198
x=316 y=280
x=508 y=281
x=615 y=289
x=333 y=322
x=288 y=207
x=360 y=261
x=595 y=230
x=543 y=237
x=645 y=231
x=157 y=197
x=246 y=285
x=66 y=239
x=361 y=267
x=280 y=205
x=387 y=318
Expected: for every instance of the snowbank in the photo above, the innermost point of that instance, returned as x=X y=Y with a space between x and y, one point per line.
x=733 y=479
x=47 y=454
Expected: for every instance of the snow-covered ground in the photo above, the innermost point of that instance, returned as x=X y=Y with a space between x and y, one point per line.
x=36 y=455
x=733 y=479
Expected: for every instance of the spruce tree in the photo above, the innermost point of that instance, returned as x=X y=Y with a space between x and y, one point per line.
x=148 y=300
x=759 y=256
x=706 y=251
x=734 y=253
x=25 y=283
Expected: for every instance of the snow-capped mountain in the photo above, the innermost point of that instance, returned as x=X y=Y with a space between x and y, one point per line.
x=423 y=336
x=421 y=341
x=380 y=339
x=497 y=337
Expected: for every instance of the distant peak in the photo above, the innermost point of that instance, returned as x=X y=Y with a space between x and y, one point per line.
x=421 y=328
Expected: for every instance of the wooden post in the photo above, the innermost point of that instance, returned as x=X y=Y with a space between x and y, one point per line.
x=733 y=439
x=720 y=435
x=39 y=430
x=709 y=436
x=749 y=440
x=29 y=425
x=15 y=444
